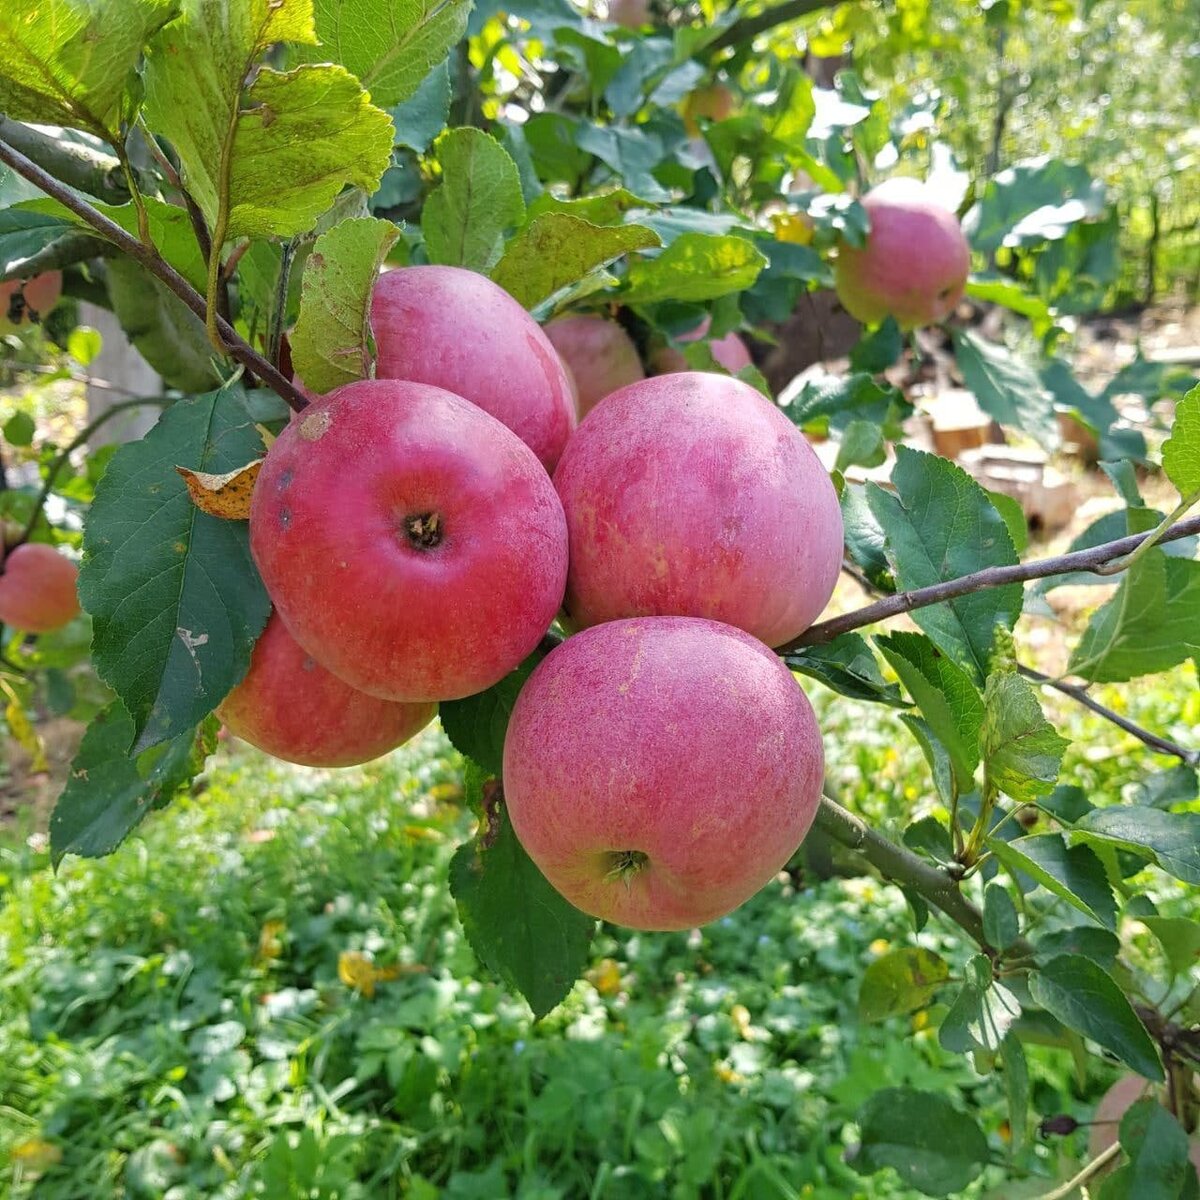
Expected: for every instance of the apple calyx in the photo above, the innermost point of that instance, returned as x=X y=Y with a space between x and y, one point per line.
x=625 y=865
x=423 y=530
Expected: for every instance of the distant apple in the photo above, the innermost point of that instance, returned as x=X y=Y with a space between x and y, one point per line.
x=24 y=301
x=632 y=14
x=599 y=354
x=915 y=263
x=730 y=351
x=37 y=588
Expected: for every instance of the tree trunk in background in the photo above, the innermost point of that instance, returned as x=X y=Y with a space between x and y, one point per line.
x=1152 y=250
x=121 y=365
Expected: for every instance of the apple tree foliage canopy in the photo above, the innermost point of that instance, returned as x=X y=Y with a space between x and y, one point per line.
x=236 y=175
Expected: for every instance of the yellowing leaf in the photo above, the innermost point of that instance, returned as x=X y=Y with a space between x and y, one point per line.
x=35 y=1156
x=357 y=971
x=605 y=977
x=270 y=941
x=792 y=227
x=226 y=495
x=22 y=730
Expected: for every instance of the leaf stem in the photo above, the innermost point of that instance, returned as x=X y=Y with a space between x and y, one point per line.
x=978 y=581
x=153 y=261
x=1152 y=538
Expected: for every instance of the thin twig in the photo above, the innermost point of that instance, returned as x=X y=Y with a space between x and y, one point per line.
x=1080 y=695
x=748 y=28
x=149 y=258
x=1090 y=1169
x=278 y=317
x=64 y=456
x=73 y=376
x=990 y=577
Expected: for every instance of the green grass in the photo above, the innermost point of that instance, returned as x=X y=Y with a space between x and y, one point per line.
x=173 y=1021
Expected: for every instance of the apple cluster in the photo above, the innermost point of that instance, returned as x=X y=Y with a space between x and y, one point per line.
x=420 y=532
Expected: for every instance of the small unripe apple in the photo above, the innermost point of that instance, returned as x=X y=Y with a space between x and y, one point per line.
x=661 y=771
x=22 y=302
x=730 y=351
x=915 y=263
x=693 y=495
x=37 y=588
x=599 y=354
x=457 y=330
x=294 y=709
x=411 y=544
x=632 y=14
x=713 y=102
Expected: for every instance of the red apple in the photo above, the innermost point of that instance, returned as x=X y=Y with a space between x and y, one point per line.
x=457 y=330
x=1123 y=1095
x=37 y=588
x=37 y=296
x=599 y=354
x=692 y=495
x=730 y=351
x=660 y=771
x=714 y=102
x=291 y=707
x=632 y=14
x=915 y=263
x=411 y=544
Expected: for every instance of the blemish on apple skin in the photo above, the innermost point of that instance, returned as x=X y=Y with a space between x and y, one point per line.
x=285 y=517
x=314 y=426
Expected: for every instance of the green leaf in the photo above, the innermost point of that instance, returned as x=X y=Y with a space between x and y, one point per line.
x=477 y=724
x=1073 y=874
x=84 y=343
x=864 y=537
x=1099 y=945
x=1013 y=296
x=877 y=350
x=1169 y=840
x=420 y=118
x=1001 y=925
x=1180 y=940
x=1005 y=387
x=930 y=1144
x=861 y=444
x=694 y=267
x=391 y=45
x=633 y=154
x=479 y=198
x=1016 y=1089
x=557 y=249
x=1014 y=517
x=26 y=230
x=313 y=126
x=1159 y=1167
x=109 y=791
x=175 y=599
x=1165 y=789
x=929 y=837
x=982 y=1013
x=517 y=924
x=331 y=344
x=1022 y=754
x=1084 y=997
x=838 y=401
x=19 y=429
x=1181 y=451
x=846 y=665
x=69 y=62
x=936 y=755
x=948 y=700
x=899 y=982
x=938 y=526
x=1151 y=624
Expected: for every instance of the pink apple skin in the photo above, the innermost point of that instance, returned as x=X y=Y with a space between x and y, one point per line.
x=41 y=294
x=915 y=264
x=294 y=709
x=632 y=14
x=730 y=351
x=37 y=589
x=457 y=330
x=692 y=495
x=411 y=544
x=683 y=740
x=599 y=354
